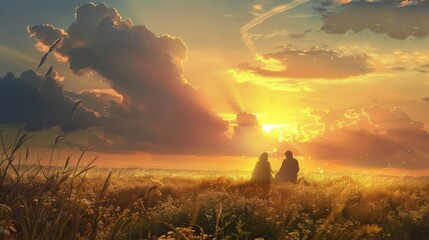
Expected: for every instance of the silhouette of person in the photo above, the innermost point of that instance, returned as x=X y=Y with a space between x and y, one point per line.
x=289 y=169
x=262 y=172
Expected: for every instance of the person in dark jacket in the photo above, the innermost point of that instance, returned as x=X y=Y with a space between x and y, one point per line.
x=289 y=169
x=262 y=172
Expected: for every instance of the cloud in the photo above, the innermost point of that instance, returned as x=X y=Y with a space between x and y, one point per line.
x=245 y=119
x=273 y=34
x=398 y=69
x=159 y=111
x=423 y=68
x=376 y=137
x=158 y=107
x=309 y=63
x=390 y=17
x=320 y=10
x=261 y=17
x=45 y=33
x=21 y=103
x=96 y=100
x=257 y=36
x=426 y=99
x=299 y=35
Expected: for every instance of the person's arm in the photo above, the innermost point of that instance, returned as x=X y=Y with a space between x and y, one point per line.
x=271 y=170
x=283 y=166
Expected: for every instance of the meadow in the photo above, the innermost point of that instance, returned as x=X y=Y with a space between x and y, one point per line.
x=76 y=201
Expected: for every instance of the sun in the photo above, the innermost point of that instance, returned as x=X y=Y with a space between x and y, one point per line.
x=269 y=127
x=276 y=130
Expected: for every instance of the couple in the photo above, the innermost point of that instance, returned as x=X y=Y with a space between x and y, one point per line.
x=287 y=173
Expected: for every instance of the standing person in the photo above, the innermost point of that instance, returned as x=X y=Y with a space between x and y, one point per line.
x=262 y=172
x=289 y=169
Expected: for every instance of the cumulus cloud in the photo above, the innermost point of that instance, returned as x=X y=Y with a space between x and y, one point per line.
x=245 y=119
x=21 y=103
x=374 y=137
x=45 y=33
x=390 y=17
x=158 y=107
x=159 y=111
x=309 y=63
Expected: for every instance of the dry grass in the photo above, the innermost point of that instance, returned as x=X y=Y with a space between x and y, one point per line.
x=78 y=202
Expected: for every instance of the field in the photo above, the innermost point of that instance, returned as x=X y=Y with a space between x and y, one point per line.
x=82 y=202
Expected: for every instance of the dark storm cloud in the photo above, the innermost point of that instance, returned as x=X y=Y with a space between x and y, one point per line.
x=21 y=103
x=312 y=63
x=396 y=18
x=380 y=138
x=158 y=106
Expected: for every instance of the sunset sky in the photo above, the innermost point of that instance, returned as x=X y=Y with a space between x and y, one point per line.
x=212 y=84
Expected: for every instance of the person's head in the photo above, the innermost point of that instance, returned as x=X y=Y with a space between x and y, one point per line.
x=263 y=157
x=289 y=154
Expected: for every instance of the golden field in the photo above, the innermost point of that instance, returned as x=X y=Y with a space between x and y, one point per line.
x=77 y=201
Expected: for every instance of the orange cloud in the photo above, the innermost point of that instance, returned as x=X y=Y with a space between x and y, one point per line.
x=315 y=63
x=375 y=137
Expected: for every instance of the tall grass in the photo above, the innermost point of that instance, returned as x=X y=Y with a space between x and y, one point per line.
x=43 y=201
x=76 y=201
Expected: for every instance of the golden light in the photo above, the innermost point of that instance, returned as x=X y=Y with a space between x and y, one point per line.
x=275 y=129
x=268 y=127
x=273 y=83
x=270 y=64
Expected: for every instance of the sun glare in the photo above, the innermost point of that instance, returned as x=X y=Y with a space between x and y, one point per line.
x=276 y=129
x=268 y=127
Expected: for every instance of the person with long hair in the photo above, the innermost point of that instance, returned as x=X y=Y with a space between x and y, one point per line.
x=262 y=172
